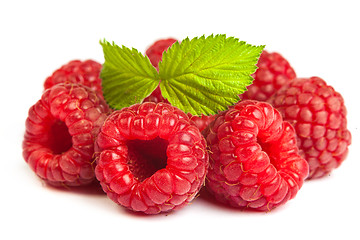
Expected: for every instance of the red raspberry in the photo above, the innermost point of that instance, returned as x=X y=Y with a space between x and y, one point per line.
x=151 y=159
x=254 y=160
x=156 y=97
x=318 y=115
x=155 y=51
x=273 y=72
x=60 y=131
x=86 y=73
x=201 y=122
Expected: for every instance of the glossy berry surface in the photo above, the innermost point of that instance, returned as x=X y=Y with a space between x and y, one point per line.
x=318 y=115
x=86 y=73
x=254 y=160
x=273 y=72
x=150 y=158
x=60 y=130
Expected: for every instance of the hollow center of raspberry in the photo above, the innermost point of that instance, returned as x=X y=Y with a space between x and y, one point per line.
x=273 y=150
x=59 y=137
x=146 y=157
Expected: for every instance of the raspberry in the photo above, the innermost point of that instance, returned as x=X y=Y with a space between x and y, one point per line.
x=60 y=131
x=156 y=97
x=151 y=159
x=201 y=122
x=273 y=72
x=254 y=160
x=155 y=51
x=86 y=73
x=318 y=115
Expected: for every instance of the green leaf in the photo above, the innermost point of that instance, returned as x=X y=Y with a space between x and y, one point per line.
x=127 y=76
x=206 y=75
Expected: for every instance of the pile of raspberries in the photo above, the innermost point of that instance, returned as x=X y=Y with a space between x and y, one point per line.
x=152 y=157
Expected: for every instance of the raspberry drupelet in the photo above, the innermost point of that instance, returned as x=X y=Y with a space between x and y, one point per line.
x=150 y=158
x=61 y=128
x=86 y=73
x=254 y=160
x=318 y=115
x=273 y=72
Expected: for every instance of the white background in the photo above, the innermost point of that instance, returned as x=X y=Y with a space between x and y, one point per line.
x=318 y=38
